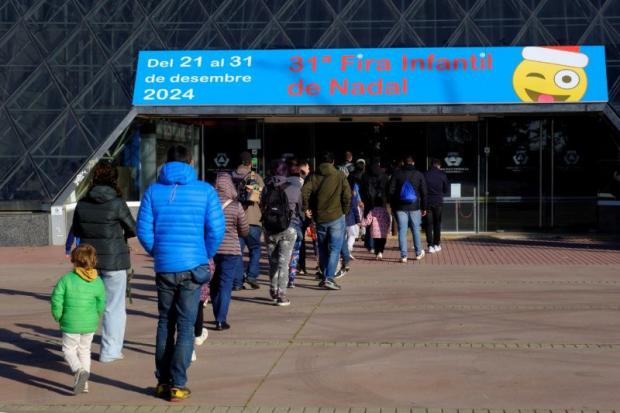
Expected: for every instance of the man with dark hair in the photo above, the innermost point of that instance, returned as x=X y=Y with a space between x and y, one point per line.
x=437 y=183
x=348 y=164
x=249 y=186
x=407 y=191
x=180 y=224
x=327 y=199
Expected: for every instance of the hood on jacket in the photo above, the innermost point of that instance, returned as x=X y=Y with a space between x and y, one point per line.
x=241 y=171
x=296 y=181
x=225 y=187
x=326 y=169
x=102 y=193
x=278 y=180
x=177 y=173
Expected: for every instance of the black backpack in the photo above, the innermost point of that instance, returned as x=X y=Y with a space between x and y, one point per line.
x=243 y=196
x=276 y=213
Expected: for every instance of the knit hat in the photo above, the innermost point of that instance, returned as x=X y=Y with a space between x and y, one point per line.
x=559 y=55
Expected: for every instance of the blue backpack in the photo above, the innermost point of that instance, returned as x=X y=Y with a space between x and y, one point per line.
x=407 y=193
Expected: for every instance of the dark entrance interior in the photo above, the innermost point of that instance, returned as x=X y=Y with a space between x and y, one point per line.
x=516 y=173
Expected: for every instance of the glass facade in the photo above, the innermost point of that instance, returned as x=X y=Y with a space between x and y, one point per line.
x=67 y=66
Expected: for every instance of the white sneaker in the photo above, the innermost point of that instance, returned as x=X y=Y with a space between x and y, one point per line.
x=379 y=256
x=431 y=249
x=403 y=260
x=419 y=257
x=85 y=388
x=202 y=338
x=437 y=248
x=194 y=355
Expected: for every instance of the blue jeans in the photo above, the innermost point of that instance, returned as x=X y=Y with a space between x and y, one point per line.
x=177 y=300
x=330 y=237
x=114 y=316
x=406 y=220
x=222 y=284
x=252 y=241
x=344 y=251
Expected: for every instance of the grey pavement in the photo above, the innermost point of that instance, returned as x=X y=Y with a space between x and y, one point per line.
x=442 y=335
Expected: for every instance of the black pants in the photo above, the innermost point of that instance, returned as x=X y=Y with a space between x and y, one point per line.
x=200 y=318
x=379 y=244
x=433 y=225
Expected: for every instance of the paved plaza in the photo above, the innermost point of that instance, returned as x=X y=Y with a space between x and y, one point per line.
x=489 y=324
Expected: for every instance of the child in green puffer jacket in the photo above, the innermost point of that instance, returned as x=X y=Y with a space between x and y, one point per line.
x=78 y=301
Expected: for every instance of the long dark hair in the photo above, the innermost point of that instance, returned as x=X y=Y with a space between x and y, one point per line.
x=106 y=174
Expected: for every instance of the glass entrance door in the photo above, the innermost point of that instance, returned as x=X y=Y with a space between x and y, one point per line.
x=535 y=175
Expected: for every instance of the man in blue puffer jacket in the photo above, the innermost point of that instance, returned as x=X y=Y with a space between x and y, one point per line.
x=180 y=224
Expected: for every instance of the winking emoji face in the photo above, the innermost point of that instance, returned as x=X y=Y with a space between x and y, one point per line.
x=549 y=75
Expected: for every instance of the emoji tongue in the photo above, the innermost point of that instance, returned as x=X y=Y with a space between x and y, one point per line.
x=542 y=98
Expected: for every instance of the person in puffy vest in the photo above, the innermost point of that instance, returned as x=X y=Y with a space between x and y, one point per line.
x=281 y=206
x=181 y=225
x=228 y=256
x=408 y=197
x=78 y=301
x=103 y=220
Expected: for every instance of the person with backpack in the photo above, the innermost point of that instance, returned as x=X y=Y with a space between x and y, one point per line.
x=373 y=191
x=408 y=197
x=281 y=210
x=228 y=255
x=327 y=199
x=437 y=183
x=249 y=186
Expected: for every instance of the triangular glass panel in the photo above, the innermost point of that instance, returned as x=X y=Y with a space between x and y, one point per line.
x=565 y=10
x=16 y=49
x=339 y=38
x=7 y=164
x=64 y=139
x=209 y=38
x=499 y=21
x=11 y=142
x=54 y=11
x=338 y=5
x=532 y=35
x=435 y=11
x=405 y=37
x=100 y=124
x=305 y=36
x=40 y=93
x=275 y=39
x=307 y=11
x=104 y=93
x=115 y=22
x=86 y=5
x=24 y=5
x=11 y=77
x=146 y=39
x=242 y=25
x=177 y=36
x=77 y=62
x=32 y=124
x=8 y=17
x=468 y=36
x=23 y=184
x=175 y=14
x=372 y=11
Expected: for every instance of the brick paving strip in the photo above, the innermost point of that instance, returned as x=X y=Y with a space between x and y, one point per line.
x=116 y=408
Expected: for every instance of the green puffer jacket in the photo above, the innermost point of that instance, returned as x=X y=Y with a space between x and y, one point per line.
x=327 y=193
x=78 y=304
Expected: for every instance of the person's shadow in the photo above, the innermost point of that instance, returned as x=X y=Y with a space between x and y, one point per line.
x=36 y=350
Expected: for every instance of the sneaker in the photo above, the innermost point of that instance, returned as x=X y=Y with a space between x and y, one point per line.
x=352 y=257
x=194 y=358
x=301 y=271
x=379 y=256
x=341 y=272
x=252 y=283
x=330 y=285
x=162 y=391
x=81 y=377
x=283 y=301
x=371 y=251
x=198 y=341
x=274 y=295
x=431 y=249
x=290 y=285
x=420 y=256
x=403 y=260
x=85 y=388
x=178 y=394
x=437 y=248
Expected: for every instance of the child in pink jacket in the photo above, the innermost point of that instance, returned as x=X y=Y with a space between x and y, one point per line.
x=380 y=222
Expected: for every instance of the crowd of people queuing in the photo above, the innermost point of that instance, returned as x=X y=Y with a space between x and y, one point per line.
x=197 y=234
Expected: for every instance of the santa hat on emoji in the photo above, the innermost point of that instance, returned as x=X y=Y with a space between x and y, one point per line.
x=559 y=55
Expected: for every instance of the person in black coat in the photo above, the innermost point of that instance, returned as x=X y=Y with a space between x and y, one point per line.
x=408 y=214
x=437 y=183
x=103 y=220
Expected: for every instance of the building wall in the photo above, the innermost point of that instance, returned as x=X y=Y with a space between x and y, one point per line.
x=67 y=66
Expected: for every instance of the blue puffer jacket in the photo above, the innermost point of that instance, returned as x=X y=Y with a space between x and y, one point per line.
x=180 y=222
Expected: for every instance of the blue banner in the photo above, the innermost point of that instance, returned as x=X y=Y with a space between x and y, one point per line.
x=458 y=75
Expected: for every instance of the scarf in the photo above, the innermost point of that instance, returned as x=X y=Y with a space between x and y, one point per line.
x=87 y=275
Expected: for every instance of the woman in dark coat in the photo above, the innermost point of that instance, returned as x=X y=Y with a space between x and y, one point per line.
x=102 y=219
